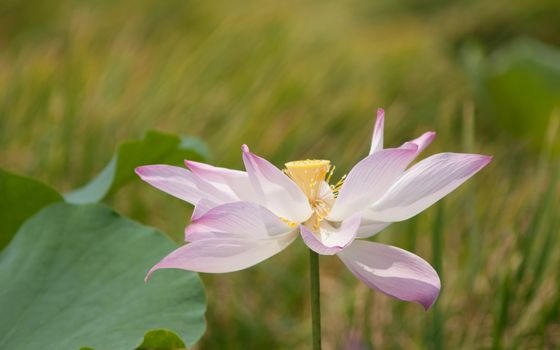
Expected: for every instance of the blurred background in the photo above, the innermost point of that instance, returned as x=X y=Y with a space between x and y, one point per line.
x=298 y=80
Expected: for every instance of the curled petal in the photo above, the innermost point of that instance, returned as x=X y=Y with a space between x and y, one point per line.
x=369 y=179
x=176 y=181
x=275 y=190
x=421 y=142
x=219 y=255
x=377 y=138
x=331 y=239
x=237 y=220
x=424 y=184
x=392 y=271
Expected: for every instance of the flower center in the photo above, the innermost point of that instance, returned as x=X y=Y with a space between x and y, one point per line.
x=309 y=175
x=312 y=177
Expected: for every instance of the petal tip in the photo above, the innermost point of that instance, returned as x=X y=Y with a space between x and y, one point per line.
x=245 y=148
x=140 y=170
x=196 y=167
x=149 y=274
x=481 y=161
x=380 y=118
x=429 y=301
x=487 y=159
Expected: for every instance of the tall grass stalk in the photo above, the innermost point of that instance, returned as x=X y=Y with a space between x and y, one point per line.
x=468 y=141
x=501 y=313
x=437 y=331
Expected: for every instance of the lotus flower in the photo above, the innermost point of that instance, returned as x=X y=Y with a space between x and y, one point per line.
x=244 y=217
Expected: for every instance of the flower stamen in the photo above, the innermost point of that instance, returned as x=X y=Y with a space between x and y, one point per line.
x=336 y=187
x=313 y=176
x=309 y=175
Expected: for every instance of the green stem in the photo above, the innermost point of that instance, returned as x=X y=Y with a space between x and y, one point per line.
x=315 y=299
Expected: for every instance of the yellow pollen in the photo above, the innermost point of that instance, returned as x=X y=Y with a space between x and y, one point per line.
x=288 y=222
x=309 y=175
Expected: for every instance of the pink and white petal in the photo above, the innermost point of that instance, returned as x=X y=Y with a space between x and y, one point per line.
x=237 y=220
x=424 y=184
x=275 y=190
x=202 y=207
x=234 y=182
x=369 y=179
x=369 y=228
x=393 y=271
x=330 y=239
x=421 y=142
x=176 y=181
x=377 y=138
x=220 y=255
x=326 y=194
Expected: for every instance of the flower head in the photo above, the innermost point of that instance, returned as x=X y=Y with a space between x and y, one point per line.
x=244 y=217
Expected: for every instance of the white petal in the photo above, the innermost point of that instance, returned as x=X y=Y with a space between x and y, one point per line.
x=424 y=184
x=369 y=179
x=179 y=182
x=331 y=239
x=219 y=255
x=392 y=271
x=377 y=138
x=237 y=220
x=202 y=207
x=369 y=228
x=275 y=190
x=233 y=182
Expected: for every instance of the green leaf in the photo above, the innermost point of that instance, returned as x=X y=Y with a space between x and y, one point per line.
x=73 y=277
x=21 y=197
x=156 y=147
x=519 y=85
x=161 y=339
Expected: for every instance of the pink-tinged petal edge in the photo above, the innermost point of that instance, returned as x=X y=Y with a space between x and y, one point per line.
x=331 y=240
x=377 y=137
x=176 y=181
x=221 y=255
x=210 y=172
x=368 y=180
x=392 y=271
x=234 y=182
x=276 y=191
x=424 y=184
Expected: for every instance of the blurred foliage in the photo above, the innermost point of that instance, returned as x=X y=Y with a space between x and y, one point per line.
x=21 y=197
x=156 y=147
x=162 y=339
x=520 y=88
x=72 y=277
x=299 y=80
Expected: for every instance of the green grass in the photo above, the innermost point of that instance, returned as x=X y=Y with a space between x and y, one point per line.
x=299 y=80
